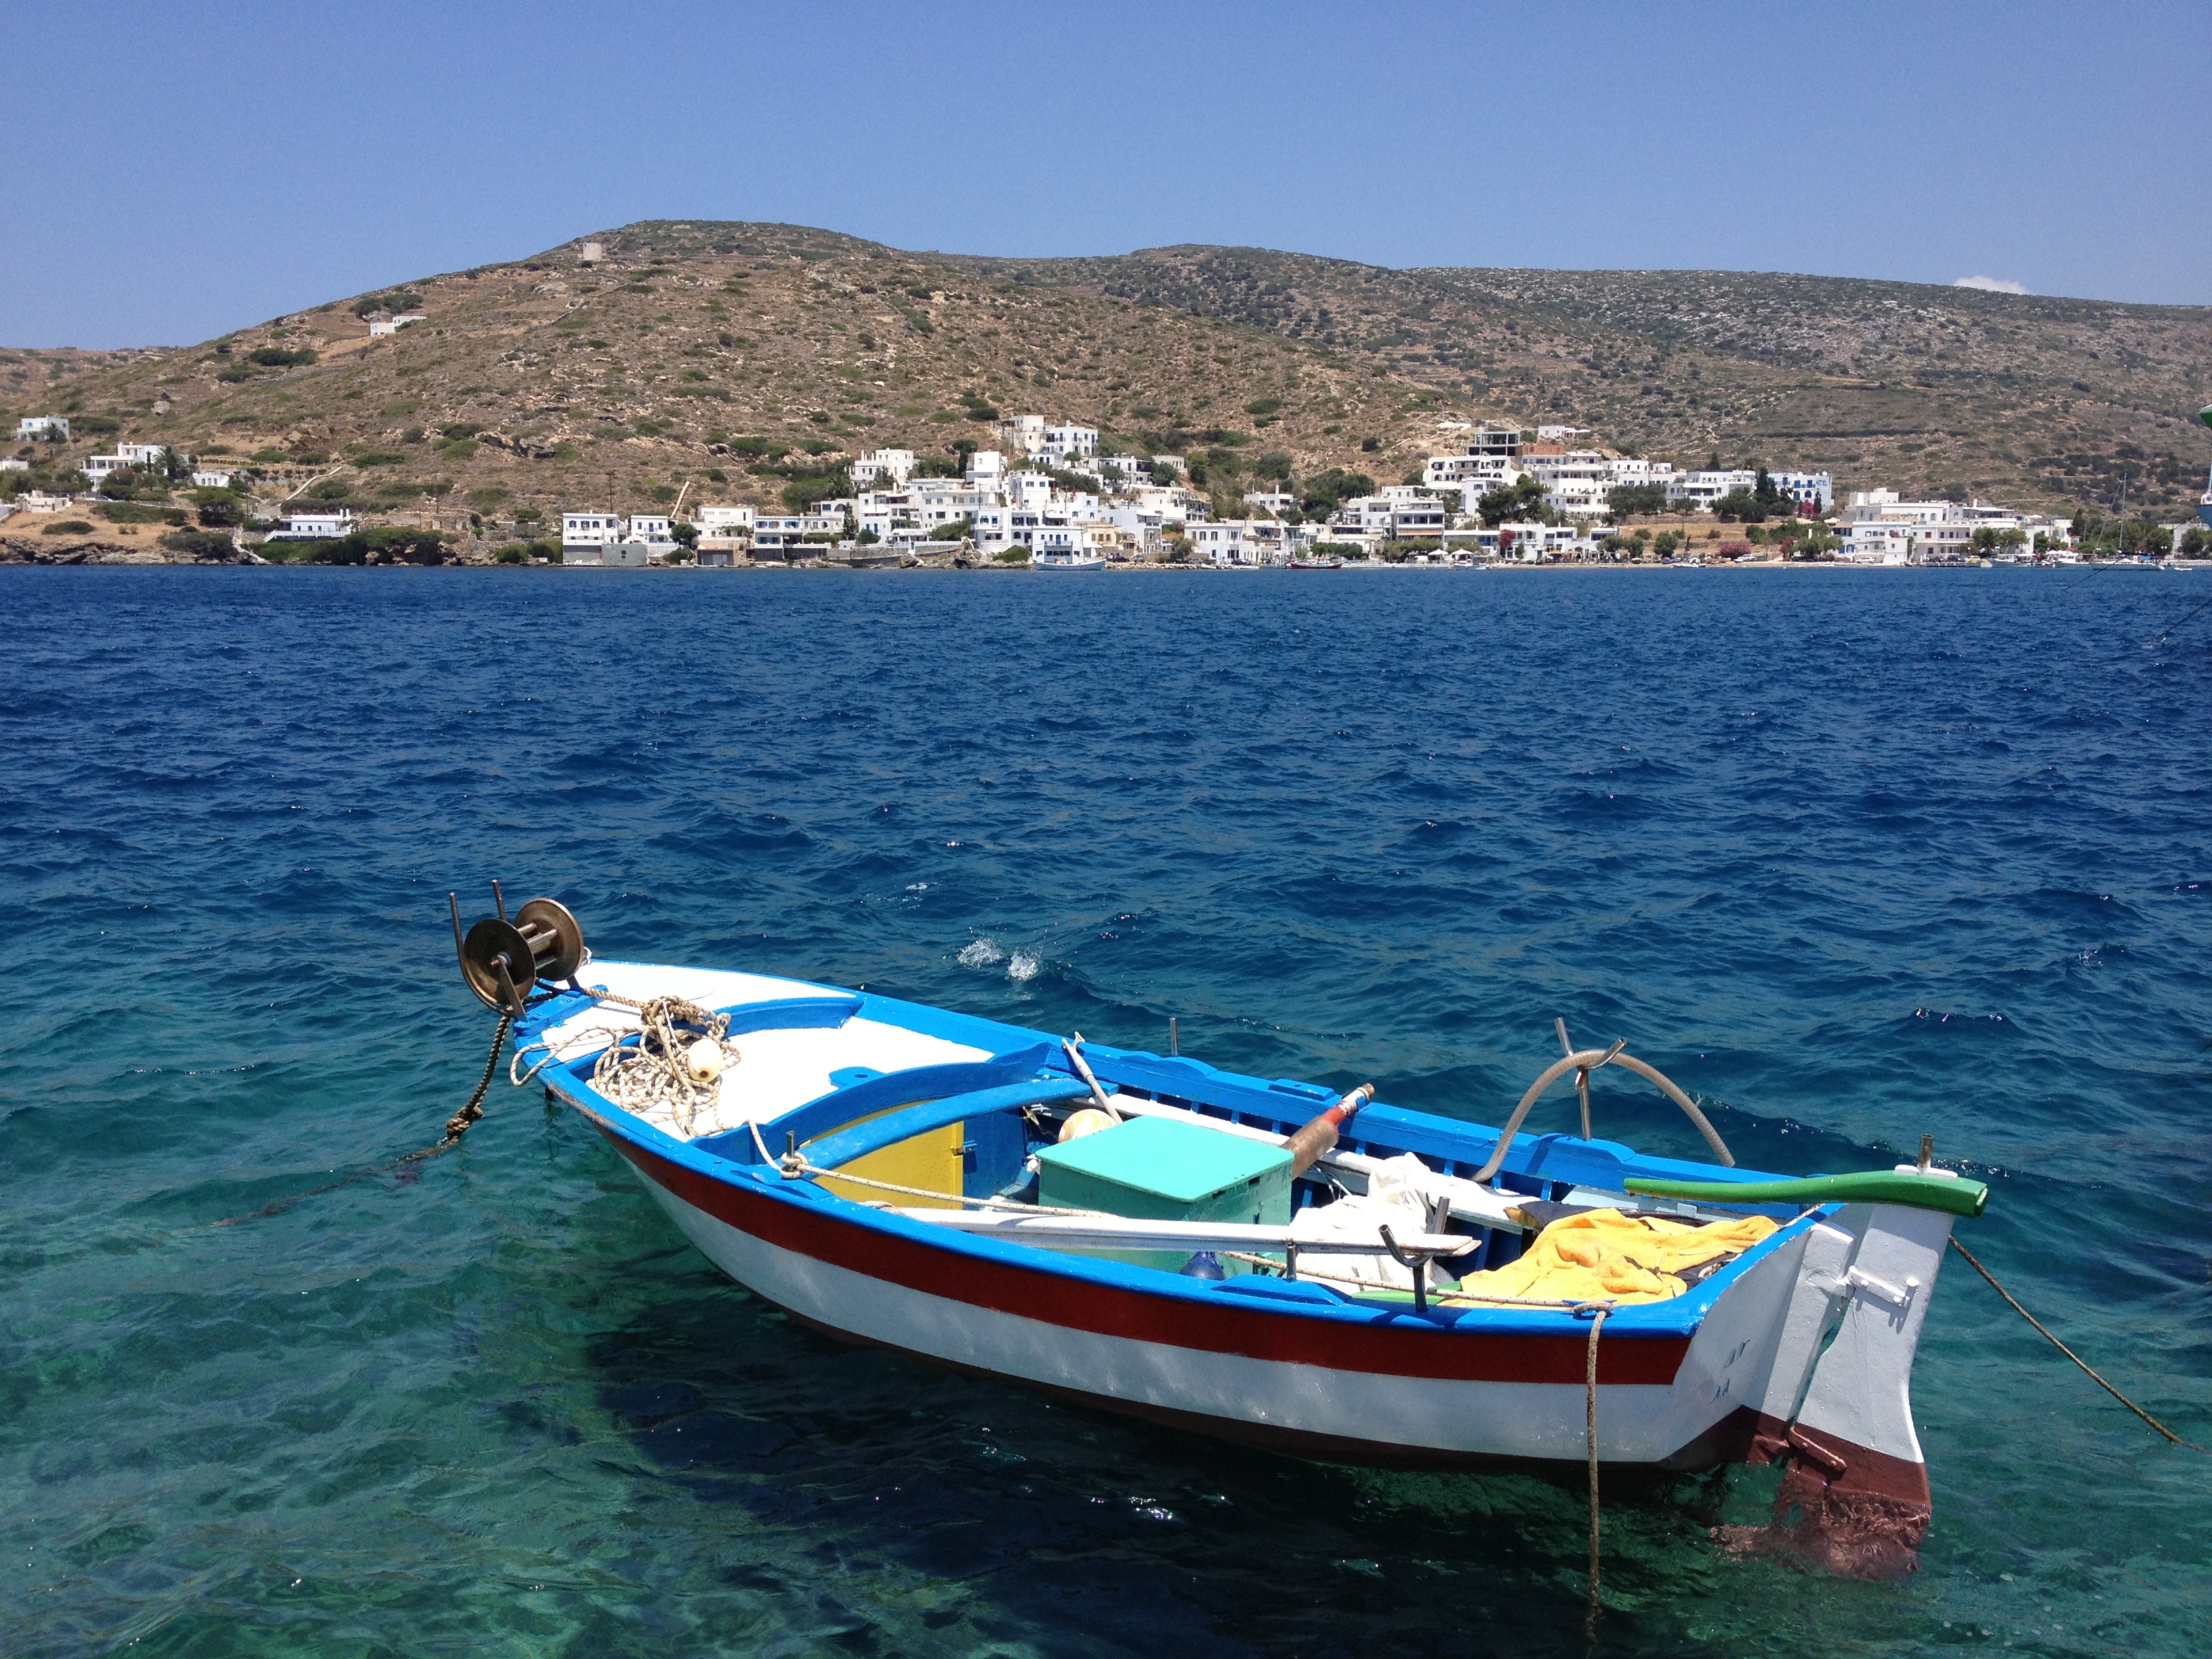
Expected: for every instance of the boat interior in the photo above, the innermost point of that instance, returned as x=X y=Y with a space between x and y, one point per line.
x=1157 y=1163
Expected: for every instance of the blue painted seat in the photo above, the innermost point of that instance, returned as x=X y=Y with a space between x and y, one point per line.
x=878 y=1093
x=835 y=1152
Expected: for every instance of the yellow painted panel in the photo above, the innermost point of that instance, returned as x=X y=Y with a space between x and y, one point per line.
x=931 y=1160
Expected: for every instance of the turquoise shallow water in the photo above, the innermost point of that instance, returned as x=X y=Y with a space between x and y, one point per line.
x=1854 y=855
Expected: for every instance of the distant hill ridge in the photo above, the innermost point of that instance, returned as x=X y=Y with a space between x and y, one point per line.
x=767 y=354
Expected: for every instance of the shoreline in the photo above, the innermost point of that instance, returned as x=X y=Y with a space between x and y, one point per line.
x=19 y=552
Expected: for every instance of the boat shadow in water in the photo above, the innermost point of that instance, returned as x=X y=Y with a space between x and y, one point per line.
x=1112 y=1533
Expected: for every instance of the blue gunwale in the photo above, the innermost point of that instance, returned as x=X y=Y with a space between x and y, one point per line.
x=1279 y=1106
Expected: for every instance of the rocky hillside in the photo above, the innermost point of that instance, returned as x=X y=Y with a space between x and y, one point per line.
x=736 y=362
x=746 y=361
x=1937 y=389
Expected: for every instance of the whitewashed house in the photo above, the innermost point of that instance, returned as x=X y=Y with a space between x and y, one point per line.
x=1063 y=444
x=897 y=464
x=1023 y=435
x=53 y=427
x=583 y=535
x=393 y=324
x=1814 y=490
x=1576 y=480
x=210 y=477
x=785 y=535
x=1701 y=489
x=1484 y=472
x=328 y=525
x=1397 y=512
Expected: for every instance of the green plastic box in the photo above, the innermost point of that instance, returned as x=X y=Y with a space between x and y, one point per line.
x=1159 y=1169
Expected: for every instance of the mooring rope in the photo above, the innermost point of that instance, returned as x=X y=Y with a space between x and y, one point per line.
x=1973 y=1262
x=456 y=1126
x=1589 y=1404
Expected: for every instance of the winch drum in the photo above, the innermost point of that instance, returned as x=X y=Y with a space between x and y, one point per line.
x=543 y=942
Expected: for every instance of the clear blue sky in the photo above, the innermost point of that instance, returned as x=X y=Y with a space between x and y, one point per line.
x=175 y=172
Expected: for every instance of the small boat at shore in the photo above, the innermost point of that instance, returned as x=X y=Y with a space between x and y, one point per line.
x=1327 y=562
x=1266 y=1261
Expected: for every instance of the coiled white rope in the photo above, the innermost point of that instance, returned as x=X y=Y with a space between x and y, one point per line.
x=678 y=1060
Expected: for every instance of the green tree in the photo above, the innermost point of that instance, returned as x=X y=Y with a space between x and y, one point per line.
x=1523 y=499
x=1327 y=491
x=220 y=508
x=1626 y=501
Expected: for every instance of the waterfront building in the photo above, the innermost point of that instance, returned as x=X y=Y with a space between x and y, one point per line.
x=1397 y=512
x=584 y=534
x=1881 y=528
x=785 y=535
x=326 y=525
x=723 y=520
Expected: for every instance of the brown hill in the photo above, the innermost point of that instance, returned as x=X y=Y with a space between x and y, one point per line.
x=742 y=360
x=1945 y=390
x=745 y=359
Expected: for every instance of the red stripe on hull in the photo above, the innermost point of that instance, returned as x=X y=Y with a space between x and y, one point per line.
x=1386 y=1347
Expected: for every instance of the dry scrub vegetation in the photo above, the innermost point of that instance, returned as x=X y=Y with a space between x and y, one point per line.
x=748 y=361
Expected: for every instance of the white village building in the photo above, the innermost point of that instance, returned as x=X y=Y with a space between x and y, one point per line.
x=326 y=525
x=897 y=464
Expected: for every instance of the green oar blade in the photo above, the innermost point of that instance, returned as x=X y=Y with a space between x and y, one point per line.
x=1922 y=1192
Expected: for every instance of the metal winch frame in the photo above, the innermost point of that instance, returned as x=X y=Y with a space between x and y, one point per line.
x=501 y=960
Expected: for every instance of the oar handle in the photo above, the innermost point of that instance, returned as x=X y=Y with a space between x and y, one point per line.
x=1920 y=1192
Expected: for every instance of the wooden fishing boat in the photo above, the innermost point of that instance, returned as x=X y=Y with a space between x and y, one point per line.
x=1257 y=1259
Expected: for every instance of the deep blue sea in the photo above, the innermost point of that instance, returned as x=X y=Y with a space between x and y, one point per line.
x=1853 y=855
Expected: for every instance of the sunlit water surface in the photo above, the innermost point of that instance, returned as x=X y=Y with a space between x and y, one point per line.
x=1853 y=855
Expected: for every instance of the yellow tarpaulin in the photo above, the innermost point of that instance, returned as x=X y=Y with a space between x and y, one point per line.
x=1602 y=1255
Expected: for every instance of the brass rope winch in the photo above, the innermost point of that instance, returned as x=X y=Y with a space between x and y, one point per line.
x=501 y=960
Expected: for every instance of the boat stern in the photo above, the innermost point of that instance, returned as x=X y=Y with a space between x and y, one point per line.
x=1834 y=1405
